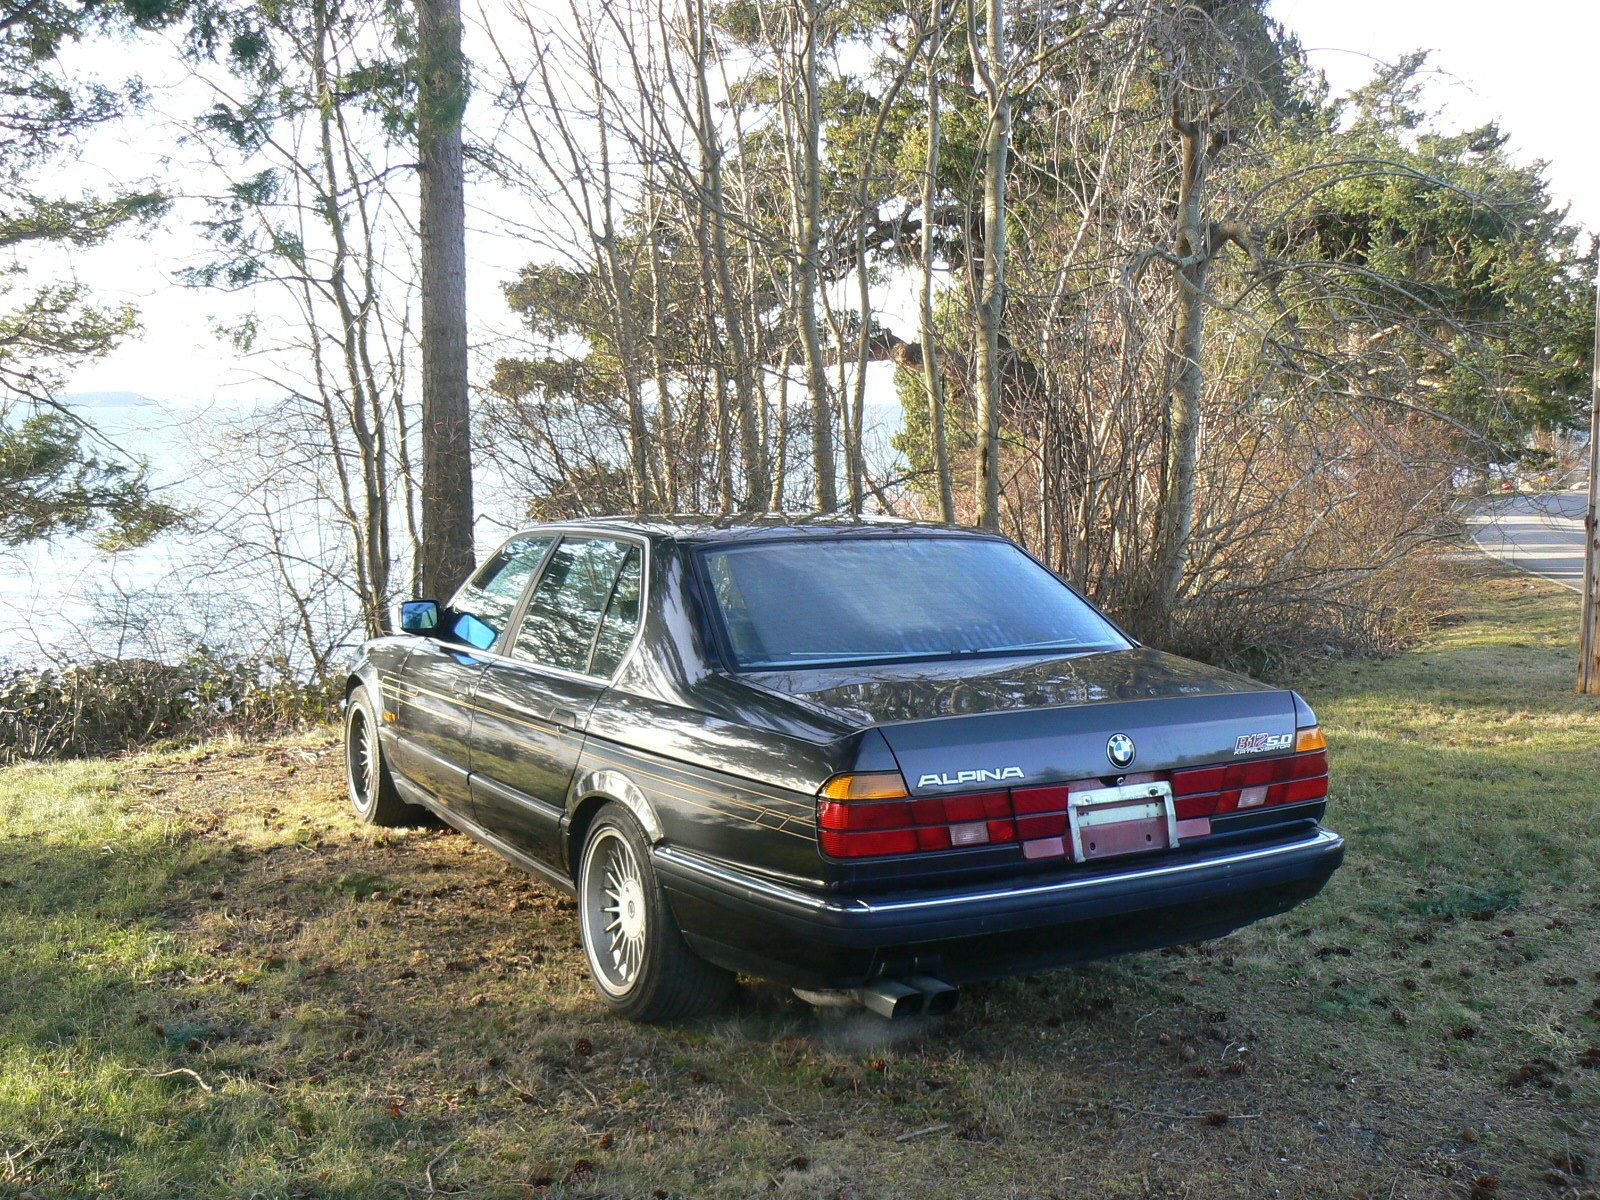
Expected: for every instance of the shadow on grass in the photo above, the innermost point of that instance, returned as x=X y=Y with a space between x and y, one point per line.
x=325 y=1018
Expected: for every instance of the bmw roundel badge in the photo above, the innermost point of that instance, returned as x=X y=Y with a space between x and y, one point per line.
x=1120 y=750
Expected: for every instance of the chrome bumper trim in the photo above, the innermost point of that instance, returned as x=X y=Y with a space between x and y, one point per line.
x=1323 y=839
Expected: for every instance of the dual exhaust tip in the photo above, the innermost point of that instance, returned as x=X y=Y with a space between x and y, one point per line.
x=910 y=997
x=892 y=999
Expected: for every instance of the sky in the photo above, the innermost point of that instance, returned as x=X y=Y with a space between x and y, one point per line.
x=1530 y=65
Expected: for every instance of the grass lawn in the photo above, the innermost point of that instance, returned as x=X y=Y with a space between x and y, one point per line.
x=214 y=983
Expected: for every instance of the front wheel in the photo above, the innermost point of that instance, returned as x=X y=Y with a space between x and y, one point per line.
x=367 y=781
x=637 y=956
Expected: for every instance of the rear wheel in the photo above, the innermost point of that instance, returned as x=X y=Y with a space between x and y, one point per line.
x=637 y=956
x=367 y=780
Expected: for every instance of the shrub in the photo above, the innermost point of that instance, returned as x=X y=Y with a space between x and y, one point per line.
x=106 y=706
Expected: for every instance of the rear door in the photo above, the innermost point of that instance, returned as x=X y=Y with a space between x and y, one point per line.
x=432 y=700
x=533 y=702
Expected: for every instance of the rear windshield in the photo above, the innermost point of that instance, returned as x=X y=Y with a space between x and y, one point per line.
x=833 y=600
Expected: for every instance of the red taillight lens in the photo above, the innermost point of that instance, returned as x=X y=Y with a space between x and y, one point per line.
x=1294 y=779
x=865 y=828
x=871 y=815
x=859 y=814
x=981 y=806
x=1041 y=812
x=869 y=844
x=1299 y=791
x=1198 y=780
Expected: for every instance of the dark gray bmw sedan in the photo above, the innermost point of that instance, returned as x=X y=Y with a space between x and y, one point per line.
x=870 y=760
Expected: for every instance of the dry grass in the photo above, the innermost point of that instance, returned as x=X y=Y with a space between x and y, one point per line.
x=214 y=983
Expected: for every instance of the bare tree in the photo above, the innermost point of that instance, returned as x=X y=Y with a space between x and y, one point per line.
x=801 y=25
x=1200 y=140
x=1589 y=632
x=991 y=59
x=931 y=380
x=308 y=220
x=713 y=203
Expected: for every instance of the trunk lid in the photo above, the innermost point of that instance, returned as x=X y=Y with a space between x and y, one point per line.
x=1042 y=746
x=968 y=725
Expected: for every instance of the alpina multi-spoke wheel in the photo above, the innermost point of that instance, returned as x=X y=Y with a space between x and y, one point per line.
x=371 y=790
x=614 y=910
x=636 y=952
x=363 y=761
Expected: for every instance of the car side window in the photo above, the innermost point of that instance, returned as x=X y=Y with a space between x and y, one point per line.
x=564 y=613
x=484 y=604
x=621 y=619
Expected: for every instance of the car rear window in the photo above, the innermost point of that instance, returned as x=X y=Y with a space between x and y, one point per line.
x=833 y=600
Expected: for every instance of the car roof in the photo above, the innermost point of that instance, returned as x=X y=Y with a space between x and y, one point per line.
x=708 y=528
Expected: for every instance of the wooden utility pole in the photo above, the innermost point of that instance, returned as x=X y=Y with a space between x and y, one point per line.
x=1589 y=637
x=447 y=551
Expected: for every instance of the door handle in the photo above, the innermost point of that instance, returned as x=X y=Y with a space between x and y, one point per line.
x=563 y=716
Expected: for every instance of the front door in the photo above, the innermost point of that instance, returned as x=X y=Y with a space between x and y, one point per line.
x=533 y=704
x=432 y=700
x=432 y=720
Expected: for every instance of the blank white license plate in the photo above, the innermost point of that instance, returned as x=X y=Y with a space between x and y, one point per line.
x=1135 y=818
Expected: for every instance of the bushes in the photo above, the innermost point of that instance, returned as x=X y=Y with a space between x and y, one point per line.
x=1276 y=631
x=109 y=705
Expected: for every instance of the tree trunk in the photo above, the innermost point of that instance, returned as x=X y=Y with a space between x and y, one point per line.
x=619 y=283
x=808 y=209
x=781 y=425
x=854 y=452
x=931 y=380
x=1175 y=522
x=446 y=434
x=712 y=196
x=668 y=421
x=994 y=70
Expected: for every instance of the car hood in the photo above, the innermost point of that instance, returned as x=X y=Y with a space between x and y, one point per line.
x=886 y=694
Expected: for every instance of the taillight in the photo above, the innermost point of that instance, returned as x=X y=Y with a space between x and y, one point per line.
x=860 y=816
x=1310 y=739
x=870 y=814
x=1041 y=812
x=866 y=785
x=1236 y=787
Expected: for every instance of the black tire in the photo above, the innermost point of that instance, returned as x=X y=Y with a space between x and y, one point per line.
x=647 y=971
x=367 y=780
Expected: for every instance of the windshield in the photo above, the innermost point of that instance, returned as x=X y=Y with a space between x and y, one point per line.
x=834 y=600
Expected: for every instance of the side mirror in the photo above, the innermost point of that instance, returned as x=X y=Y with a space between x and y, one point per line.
x=419 y=616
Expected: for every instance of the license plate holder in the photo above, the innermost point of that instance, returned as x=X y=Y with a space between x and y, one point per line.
x=1134 y=818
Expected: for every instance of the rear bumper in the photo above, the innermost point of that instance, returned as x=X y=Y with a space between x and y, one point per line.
x=813 y=940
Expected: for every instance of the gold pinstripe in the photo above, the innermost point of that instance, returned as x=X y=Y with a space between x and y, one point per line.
x=595 y=743
x=395 y=688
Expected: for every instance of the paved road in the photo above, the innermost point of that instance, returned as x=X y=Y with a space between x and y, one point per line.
x=1542 y=534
